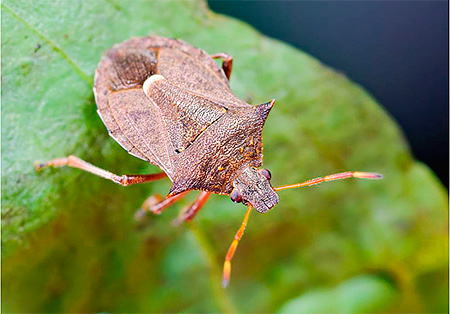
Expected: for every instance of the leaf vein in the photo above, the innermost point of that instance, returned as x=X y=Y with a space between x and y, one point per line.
x=50 y=42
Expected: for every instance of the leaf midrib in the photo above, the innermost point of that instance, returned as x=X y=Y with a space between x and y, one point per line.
x=87 y=78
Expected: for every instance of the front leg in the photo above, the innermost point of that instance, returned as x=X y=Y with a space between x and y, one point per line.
x=227 y=62
x=75 y=162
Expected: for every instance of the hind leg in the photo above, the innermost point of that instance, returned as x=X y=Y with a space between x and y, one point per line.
x=75 y=162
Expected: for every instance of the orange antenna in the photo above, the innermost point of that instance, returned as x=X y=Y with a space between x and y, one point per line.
x=232 y=249
x=333 y=177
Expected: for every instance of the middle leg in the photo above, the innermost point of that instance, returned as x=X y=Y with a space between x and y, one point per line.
x=156 y=204
x=191 y=211
x=227 y=63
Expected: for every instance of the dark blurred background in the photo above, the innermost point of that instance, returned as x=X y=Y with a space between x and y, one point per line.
x=397 y=50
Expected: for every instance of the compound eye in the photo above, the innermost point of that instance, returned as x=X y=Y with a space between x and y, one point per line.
x=266 y=173
x=236 y=196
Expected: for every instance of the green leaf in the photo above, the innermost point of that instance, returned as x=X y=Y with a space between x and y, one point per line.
x=69 y=241
x=362 y=294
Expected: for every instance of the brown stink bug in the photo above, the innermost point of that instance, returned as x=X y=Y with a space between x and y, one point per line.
x=170 y=104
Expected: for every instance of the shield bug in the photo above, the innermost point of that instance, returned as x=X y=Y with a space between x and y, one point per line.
x=170 y=104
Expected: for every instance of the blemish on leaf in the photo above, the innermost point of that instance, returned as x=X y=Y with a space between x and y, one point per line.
x=37 y=47
x=25 y=67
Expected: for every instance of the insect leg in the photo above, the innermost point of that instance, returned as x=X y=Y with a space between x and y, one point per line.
x=332 y=177
x=191 y=211
x=232 y=249
x=227 y=62
x=124 y=180
x=156 y=204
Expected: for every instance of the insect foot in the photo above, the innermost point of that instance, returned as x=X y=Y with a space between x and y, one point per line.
x=148 y=204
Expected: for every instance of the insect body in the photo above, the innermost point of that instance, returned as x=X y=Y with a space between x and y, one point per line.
x=170 y=104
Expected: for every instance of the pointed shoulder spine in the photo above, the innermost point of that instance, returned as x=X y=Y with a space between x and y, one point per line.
x=264 y=109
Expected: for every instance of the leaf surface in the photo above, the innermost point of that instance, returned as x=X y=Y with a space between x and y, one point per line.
x=70 y=243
